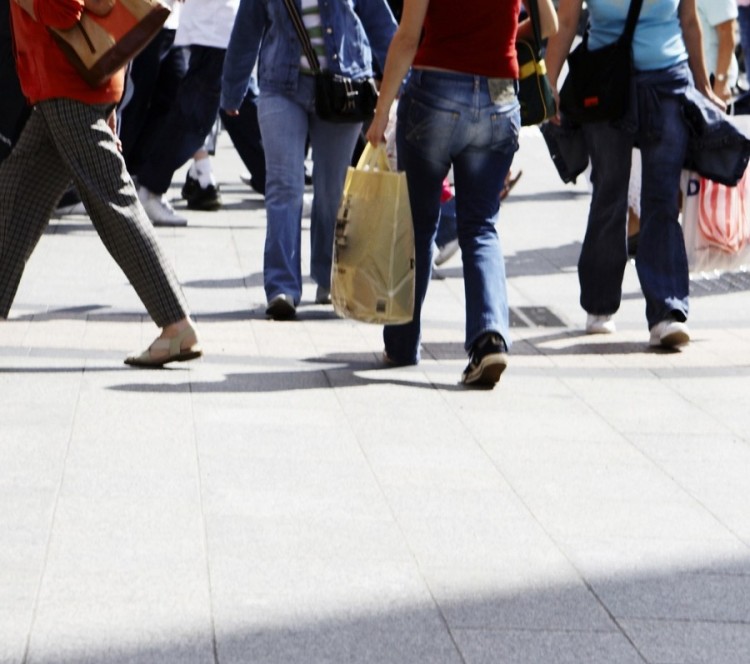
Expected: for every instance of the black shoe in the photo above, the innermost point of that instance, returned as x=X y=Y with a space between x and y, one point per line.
x=281 y=307
x=488 y=361
x=200 y=198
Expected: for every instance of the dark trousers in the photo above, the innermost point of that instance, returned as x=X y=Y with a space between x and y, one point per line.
x=183 y=130
x=244 y=131
x=13 y=107
x=151 y=87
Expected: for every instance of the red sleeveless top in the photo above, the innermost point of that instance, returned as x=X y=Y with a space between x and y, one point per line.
x=476 y=37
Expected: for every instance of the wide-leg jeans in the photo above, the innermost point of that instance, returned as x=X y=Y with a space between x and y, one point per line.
x=446 y=119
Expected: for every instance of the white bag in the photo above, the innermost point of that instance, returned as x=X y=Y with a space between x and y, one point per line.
x=373 y=260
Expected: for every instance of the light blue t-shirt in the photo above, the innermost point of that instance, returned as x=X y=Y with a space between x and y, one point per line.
x=658 y=39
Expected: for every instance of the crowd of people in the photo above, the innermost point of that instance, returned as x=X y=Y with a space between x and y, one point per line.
x=239 y=64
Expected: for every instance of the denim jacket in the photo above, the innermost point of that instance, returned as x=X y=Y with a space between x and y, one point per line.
x=717 y=149
x=263 y=32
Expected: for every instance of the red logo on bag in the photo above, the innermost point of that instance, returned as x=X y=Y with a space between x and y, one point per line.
x=588 y=102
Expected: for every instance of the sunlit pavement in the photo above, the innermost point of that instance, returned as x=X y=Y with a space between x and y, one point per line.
x=286 y=499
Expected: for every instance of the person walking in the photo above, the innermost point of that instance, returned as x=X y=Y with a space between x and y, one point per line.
x=204 y=27
x=668 y=60
x=70 y=136
x=459 y=108
x=345 y=35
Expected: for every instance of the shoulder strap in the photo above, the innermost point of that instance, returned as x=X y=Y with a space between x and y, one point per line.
x=533 y=8
x=633 y=13
x=304 y=38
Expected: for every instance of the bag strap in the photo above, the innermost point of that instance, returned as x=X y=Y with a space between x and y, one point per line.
x=533 y=8
x=304 y=38
x=633 y=13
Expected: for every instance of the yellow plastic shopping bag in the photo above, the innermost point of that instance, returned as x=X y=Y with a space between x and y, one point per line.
x=373 y=259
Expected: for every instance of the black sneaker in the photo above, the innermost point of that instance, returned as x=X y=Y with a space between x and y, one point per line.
x=200 y=198
x=281 y=307
x=488 y=361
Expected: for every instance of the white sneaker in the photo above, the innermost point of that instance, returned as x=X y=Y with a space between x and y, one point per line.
x=159 y=210
x=669 y=334
x=307 y=204
x=600 y=324
x=446 y=251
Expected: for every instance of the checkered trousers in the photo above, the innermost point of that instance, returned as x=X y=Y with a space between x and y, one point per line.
x=66 y=140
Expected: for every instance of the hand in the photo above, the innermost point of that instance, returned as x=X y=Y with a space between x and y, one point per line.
x=232 y=112
x=112 y=124
x=376 y=131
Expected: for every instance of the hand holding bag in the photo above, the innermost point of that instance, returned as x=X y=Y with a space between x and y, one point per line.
x=109 y=34
x=598 y=85
x=534 y=90
x=337 y=98
x=373 y=260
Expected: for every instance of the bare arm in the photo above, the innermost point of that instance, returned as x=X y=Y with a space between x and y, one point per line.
x=558 y=47
x=725 y=33
x=547 y=20
x=691 y=33
x=401 y=54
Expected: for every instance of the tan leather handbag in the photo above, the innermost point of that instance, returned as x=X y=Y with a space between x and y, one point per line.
x=109 y=35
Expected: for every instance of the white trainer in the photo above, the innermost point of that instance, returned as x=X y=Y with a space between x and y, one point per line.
x=446 y=251
x=159 y=210
x=600 y=324
x=669 y=334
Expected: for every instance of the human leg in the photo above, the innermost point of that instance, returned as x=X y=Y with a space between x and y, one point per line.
x=87 y=147
x=332 y=146
x=151 y=85
x=244 y=131
x=662 y=260
x=184 y=129
x=604 y=253
x=32 y=179
x=284 y=124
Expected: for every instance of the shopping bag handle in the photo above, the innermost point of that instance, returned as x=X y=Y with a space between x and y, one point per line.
x=373 y=158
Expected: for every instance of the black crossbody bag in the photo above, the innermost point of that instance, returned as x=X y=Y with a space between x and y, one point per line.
x=599 y=82
x=337 y=98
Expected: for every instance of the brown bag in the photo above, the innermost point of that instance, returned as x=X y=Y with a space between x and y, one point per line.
x=109 y=35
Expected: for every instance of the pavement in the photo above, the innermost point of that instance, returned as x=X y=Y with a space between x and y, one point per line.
x=287 y=500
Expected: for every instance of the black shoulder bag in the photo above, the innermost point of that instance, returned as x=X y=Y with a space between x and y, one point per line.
x=597 y=87
x=534 y=90
x=337 y=98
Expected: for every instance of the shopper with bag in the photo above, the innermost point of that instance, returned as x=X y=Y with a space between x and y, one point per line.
x=343 y=35
x=459 y=109
x=668 y=63
x=70 y=137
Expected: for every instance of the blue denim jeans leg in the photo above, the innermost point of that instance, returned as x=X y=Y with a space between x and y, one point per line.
x=449 y=119
x=661 y=263
x=285 y=120
x=743 y=19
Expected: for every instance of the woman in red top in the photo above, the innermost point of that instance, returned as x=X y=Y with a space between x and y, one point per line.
x=70 y=137
x=459 y=109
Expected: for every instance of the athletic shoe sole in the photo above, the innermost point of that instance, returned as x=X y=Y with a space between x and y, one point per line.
x=487 y=373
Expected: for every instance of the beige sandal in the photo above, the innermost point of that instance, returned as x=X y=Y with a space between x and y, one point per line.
x=162 y=351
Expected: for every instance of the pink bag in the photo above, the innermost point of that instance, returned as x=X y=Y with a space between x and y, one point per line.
x=716 y=223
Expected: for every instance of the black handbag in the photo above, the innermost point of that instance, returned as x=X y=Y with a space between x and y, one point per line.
x=337 y=98
x=534 y=90
x=598 y=85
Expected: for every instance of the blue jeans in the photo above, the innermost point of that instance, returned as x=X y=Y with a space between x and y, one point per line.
x=661 y=263
x=449 y=118
x=285 y=121
x=191 y=116
x=447 y=230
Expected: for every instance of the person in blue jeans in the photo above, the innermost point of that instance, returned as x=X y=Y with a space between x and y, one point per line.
x=459 y=108
x=669 y=64
x=345 y=35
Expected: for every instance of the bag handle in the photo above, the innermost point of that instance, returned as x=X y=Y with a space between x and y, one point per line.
x=633 y=13
x=533 y=8
x=374 y=159
x=304 y=38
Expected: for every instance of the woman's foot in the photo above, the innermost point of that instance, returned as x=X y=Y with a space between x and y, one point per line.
x=177 y=343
